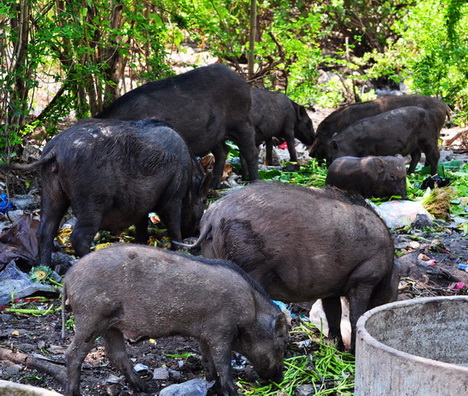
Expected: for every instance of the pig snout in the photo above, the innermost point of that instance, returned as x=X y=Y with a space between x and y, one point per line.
x=274 y=374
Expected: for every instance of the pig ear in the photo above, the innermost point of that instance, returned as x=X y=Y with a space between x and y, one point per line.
x=300 y=111
x=280 y=323
x=379 y=164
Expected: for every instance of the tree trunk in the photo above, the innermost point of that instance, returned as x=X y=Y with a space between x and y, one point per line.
x=253 y=36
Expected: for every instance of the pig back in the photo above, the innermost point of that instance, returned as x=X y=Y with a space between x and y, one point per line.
x=298 y=243
x=342 y=118
x=127 y=169
x=147 y=291
x=398 y=131
x=204 y=105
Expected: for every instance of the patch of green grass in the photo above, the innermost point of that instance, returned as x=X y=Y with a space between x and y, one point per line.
x=327 y=370
x=311 y=174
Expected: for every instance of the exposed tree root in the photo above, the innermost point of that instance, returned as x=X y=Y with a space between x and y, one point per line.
x=31 y=362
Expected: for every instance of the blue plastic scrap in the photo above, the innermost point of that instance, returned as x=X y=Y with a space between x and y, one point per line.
x=5 y=203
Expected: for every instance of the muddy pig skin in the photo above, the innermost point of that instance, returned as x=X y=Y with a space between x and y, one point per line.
x=207 y=106
x=275 y=115
x=369 y=176
x=137 y=292
x=113 y=173
x=302 y=244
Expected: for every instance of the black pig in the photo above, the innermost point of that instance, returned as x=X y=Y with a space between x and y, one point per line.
x=207 y=106
x=407 y=131
x=113 y=173
x=141 y=291
x=369 y=176
x=275 y=115
x=340 y=119
x=303 y=244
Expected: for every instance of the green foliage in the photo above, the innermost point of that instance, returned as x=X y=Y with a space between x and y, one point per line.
x=431 y=56
x=85 y=47
x=311 y=174
x=318 y=52
x=291 y=37
x=314 y=174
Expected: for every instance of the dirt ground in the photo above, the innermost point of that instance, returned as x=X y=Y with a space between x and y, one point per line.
x=176 y=360
x=431 y=256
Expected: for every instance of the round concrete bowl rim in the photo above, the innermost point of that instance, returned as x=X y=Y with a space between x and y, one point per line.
x=363 y=334
x=13 y=388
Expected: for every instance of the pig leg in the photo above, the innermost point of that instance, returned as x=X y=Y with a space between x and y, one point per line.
x=332 y=309
x=432 y=158
x=85 y=230
x=244 y=137
x=53 y=208
x=171 y=216
x=415 y=157
x=80 y=347
x=208 y=364
x=268 y=152
x=115 y=351
x=291 y=146
x=220 y=153
x=141 y=230
x=218 y=361
x=358 y=297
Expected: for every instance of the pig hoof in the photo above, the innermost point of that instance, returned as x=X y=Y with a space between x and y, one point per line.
x=140 y=386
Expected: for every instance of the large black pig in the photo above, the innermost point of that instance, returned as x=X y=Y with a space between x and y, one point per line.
x=407 y=131
x=369 y=176
x=275 y=115
x=141 y=291
x=337 y=121
x=303 y=244
x=207 y=106
x=113 y=173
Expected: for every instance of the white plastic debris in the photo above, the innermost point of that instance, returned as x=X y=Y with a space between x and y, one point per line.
x=195 y=387
x=318 y=318
x=400 y=213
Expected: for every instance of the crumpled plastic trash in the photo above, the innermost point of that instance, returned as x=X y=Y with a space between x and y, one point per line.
x=5 y=203
x=195 y=387
x=317 y=317
x=397 y=214
x=19 y=243
x=14 y=284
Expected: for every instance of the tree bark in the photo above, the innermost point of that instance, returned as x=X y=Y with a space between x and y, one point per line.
x=31 y=362
x=253 y=36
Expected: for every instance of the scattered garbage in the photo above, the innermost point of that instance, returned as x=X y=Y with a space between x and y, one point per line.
x=401 y=213
x=463 y=267
x=195 y=387
x=5 y=203
x=26 y=202
x=161 y=373
x=19 y=243
x=16 y=284
x=143 y=370
x=458 y=285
